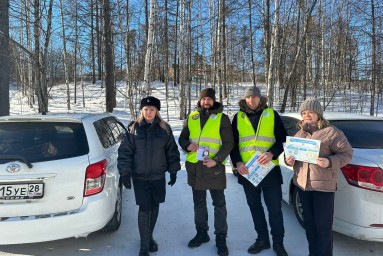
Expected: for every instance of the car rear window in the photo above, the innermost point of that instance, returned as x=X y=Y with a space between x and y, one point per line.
x=41 y=141
x=362 y=133
x=109 y=131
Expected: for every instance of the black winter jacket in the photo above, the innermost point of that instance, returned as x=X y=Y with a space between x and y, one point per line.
x=149 y=152
x=274 y=177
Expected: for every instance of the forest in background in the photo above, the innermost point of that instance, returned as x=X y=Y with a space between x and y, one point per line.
x=323 y=48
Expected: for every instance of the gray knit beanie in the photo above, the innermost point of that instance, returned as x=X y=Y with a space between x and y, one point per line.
x=252 y=91
x=311 y=104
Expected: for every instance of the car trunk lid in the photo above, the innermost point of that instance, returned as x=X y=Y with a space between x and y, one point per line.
x=59 y=186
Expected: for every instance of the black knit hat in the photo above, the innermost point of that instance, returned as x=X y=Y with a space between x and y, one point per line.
x=151 y=101
x=311 y=104
x=208 y=92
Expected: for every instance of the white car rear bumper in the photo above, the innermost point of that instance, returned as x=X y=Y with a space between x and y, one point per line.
x=96 y=211
x=358 y=232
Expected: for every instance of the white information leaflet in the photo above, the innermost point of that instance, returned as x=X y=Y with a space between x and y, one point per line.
x=256 y=171
x=305 y=150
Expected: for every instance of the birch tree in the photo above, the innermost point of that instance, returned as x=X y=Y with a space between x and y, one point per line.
x=149 y=46
x=273 y=47
x=253 y=66
x=41 y=57
x=65 y=54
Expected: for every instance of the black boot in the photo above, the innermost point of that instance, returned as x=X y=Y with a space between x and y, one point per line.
x=220 y=242
x=279 y=249
x=258 y=246
x=201 y=237
x=153 y=246
x=143 y=227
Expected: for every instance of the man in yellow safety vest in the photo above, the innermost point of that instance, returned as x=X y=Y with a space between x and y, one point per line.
x=207 y=139
x=258 y=128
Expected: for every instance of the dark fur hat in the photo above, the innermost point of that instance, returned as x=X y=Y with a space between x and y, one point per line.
x=150 y=101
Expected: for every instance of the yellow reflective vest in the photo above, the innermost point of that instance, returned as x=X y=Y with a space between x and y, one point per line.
x=209 y=136
x=251 y=141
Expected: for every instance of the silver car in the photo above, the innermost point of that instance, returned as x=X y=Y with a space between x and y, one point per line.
x=359 y=196
x=58 y=176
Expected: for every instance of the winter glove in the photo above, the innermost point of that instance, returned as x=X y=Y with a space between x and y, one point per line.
x=126 y=181
x=173 y=178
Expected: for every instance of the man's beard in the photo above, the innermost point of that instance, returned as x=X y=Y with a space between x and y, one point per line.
x=207 y=106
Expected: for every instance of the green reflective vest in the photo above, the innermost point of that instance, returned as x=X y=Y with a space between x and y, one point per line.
x=209 y=136
x=262 y=140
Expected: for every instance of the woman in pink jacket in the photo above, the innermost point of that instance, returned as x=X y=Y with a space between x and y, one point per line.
x=317 y=183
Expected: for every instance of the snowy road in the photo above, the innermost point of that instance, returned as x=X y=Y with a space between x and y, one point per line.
x=175 y=228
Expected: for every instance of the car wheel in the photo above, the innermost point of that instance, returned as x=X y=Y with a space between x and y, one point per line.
x=115 y=222
x=297 y=206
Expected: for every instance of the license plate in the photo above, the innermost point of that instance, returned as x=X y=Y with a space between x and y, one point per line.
x=21 y=191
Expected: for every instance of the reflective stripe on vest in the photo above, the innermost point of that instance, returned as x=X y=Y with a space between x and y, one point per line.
x=262 y=140
x=209 y=136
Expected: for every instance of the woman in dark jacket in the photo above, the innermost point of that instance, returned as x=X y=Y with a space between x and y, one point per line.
x=147 y=152
x=257 y=119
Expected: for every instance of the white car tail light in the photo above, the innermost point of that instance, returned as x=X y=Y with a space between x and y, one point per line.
x=95 y=178
x=370 y=178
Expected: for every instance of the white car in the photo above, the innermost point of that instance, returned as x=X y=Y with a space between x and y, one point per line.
x=58 y=176
x=359 y=196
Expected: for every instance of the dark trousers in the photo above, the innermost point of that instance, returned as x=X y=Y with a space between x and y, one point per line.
x=200 y=210
x=273 y=199
x=318 y=212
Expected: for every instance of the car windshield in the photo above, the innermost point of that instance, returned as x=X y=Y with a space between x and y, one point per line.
x=41 y=141
x=362 y=133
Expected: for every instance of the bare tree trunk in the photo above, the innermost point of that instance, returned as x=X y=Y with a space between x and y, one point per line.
x=92 y=36
x=44 y=57
x=223 y=89
x=189 y=52
x=149 y=46
x=110 y=90
x=373 y=57
x=129 y=75
x=36 y=32
x=220 y=47
x=253 y=65
x=266 y=34
x=66 y=72
x=181 y=54
x=76 y=46
x=4 y=58
x=166 y=57
x=175 y=64
x=99 y=40
x=213 y=43
x=29 y=58
x=270 y=82
x=40 y=58
x=203 y=46
x=323 y=49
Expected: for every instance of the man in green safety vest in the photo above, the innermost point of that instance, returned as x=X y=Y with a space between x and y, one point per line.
x=207 y=139
x=256 y=127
